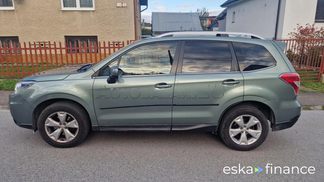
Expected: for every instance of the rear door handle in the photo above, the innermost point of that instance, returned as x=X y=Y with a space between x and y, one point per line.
x=162 y=85
x=230 y=82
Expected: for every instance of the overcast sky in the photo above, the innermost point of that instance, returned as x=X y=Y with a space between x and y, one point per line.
x=213 y=7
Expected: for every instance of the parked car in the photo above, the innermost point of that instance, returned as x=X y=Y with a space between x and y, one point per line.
x=233 y=86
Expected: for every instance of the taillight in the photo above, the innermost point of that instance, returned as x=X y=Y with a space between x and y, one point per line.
x=293 y=79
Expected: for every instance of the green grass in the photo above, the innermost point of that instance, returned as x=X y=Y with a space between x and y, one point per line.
x=8 y=84
x=306 y=108
x=305 y=91
x=317 y=86
x=21 y=68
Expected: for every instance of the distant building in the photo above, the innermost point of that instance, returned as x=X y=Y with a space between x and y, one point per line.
x=221 y=20
x=146 y=25
x=206 y=20
x=163 y=22
x=213 y=26
x=70 y=20
x=272 y=19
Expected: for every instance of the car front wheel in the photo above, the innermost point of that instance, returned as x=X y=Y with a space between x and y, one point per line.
x=63 y=124
x=244 y=128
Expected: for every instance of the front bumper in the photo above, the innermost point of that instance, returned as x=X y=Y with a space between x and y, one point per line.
x=285 y=125
x=21 y=111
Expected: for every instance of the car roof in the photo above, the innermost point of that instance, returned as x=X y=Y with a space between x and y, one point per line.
x=202 y=38
x=211 y=33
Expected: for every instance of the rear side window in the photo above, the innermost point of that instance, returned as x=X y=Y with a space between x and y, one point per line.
x=206 y=57
x=253 y=57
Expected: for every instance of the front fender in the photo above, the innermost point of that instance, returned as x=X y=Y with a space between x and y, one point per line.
x=79 y=91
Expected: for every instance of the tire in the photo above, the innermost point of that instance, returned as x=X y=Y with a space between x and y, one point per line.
x=70 y=122
x=237 y=120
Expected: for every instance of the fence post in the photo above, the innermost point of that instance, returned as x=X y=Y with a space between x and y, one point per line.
x=321 y=72
x=2 y=61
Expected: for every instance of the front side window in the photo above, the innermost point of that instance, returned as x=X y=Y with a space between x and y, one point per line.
x=77 y=4
x=206 y=57
x=253 y=57
x=6 y=5
x=150 y=59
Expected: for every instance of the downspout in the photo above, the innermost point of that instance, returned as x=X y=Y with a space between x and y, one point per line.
x=135 y=18
x=277 y=21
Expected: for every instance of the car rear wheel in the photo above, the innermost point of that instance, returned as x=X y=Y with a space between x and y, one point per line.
x=244 y=128
x=63 y=124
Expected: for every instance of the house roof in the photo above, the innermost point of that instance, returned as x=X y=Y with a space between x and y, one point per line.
x=169 y=21
x=222 y=15
x=320 y=10
x=230 y=2
x=213 y=23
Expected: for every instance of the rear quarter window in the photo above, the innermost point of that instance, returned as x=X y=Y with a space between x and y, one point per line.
x=253 y=57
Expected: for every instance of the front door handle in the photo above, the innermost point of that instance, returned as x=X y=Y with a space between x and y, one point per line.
x=230 y=82
x=162 y=85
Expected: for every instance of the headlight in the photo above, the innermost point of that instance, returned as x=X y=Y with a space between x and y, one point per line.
x=21 y=86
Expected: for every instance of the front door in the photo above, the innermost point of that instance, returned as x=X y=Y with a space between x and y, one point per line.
x=142 y=95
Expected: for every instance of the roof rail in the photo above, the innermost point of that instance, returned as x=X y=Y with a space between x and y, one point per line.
x=210 y=33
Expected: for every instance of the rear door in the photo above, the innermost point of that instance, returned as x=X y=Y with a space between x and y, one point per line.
x=207 y=82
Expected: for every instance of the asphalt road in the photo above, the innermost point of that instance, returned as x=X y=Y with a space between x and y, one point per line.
x=178 y=156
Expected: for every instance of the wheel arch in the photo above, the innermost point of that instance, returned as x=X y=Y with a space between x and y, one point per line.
x=264 y=108
x=45 y=103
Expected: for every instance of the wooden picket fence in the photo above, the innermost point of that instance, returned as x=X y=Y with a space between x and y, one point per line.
x=307 y=57
x=24 y=59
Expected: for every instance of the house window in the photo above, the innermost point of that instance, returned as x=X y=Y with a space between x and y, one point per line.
x=9 y=42
x=233 y=17
x=320 y=11
x=74 y=43
x=78 y=5
x=6 y=5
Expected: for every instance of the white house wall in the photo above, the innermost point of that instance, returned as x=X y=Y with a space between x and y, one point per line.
x=298 y=11
x=253 y=16
x=222 y=25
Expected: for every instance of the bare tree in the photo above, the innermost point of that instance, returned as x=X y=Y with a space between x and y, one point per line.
x=203 y=21
x=202 y=12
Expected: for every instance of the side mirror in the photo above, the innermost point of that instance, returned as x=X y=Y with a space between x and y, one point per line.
x=114 y=73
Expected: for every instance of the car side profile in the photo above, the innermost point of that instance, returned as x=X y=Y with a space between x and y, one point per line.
x=236 y=87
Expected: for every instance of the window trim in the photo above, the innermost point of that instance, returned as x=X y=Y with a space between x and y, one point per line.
x=234 y=64
x=78 y=8
x=173 y=68
x=6 y=8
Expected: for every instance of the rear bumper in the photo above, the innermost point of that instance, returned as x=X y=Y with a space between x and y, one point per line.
x=286 y=113
x=285 y=125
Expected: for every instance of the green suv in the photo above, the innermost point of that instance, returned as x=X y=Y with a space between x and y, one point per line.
x=235 y=87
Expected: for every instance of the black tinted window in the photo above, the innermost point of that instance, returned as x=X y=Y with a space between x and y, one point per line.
x=253 y=57
x=156 y=58
x=206 y=57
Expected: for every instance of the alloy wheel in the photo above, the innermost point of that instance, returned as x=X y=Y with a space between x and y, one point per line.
x=245 y=130
x=61 y=127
